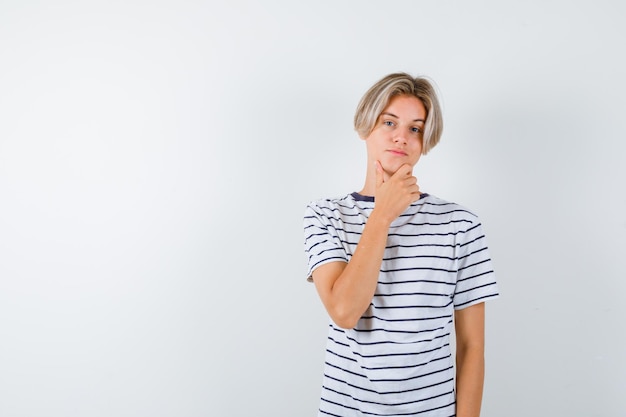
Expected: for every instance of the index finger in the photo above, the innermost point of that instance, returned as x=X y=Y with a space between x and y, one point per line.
x=404 y=170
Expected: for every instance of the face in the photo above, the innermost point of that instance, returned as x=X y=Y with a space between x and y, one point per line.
x=397 y=136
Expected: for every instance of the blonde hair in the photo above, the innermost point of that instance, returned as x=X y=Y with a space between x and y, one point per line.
x=378 y=96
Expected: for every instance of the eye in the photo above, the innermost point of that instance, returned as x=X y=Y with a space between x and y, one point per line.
x=416 y=130
x=388 y=123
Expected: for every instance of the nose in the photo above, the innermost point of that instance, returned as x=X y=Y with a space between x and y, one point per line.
x=400 y=138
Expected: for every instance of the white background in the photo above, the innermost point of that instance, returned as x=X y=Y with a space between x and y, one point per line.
x=156 y=158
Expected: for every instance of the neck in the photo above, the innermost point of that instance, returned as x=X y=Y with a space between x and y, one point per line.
x=369 y=188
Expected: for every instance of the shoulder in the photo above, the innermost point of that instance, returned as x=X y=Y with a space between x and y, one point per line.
x=440 y=206
x=446 y=213
x=334 y=206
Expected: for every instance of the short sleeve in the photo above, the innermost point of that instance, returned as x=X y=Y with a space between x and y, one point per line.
x=322 y=243
x=476 y=281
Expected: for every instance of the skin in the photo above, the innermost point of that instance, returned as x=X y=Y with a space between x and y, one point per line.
x=346 y=289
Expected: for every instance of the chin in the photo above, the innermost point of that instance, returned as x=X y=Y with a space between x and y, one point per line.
x=391 y=168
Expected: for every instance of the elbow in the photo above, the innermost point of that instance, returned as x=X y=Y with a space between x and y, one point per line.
x=474 y=353
x=346 y=324
x=345 y=319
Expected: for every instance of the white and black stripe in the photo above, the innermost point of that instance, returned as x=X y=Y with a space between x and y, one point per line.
x=397 y=360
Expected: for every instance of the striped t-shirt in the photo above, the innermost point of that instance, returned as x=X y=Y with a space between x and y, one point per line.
x=397 y=361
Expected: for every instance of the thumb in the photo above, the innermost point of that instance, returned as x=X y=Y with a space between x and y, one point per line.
x=380 y=175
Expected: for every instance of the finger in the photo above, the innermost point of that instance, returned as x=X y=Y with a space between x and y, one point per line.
x=403 y=171
x=415 y=193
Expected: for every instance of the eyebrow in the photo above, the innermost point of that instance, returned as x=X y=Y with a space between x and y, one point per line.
x=393 y=115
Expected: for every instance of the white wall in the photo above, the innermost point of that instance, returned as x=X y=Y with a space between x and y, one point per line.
x=156 y=157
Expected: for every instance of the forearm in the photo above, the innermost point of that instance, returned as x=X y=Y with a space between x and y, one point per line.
x=352 y=292
x=347 y=289
x=470 y=374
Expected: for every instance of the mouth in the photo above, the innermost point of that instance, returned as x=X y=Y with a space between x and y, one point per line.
x=397 y=152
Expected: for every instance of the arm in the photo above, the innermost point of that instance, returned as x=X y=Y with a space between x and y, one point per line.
x=346 y=289
x=470 y=359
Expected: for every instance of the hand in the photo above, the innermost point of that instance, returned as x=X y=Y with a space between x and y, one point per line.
x=395 y=193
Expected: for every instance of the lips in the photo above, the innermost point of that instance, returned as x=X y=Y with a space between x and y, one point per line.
x=397 y=152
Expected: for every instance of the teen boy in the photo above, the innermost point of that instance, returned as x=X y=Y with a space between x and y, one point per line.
x=397 y=270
